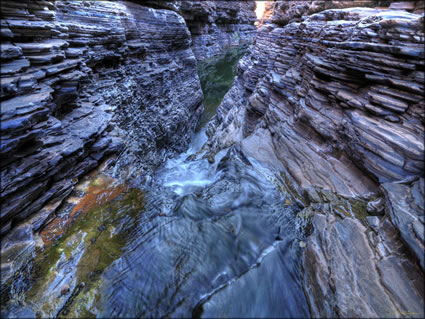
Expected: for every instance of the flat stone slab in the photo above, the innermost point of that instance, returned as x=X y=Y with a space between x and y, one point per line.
x=405 y=5
x=24 y=104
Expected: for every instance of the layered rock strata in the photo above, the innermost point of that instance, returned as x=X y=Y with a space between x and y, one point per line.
x=218 y=25
x=353 y=271
x=215 y=26
x=78 y=81
x=335 y=101
x=356 y=264
x=355 y=99
x=283 y=12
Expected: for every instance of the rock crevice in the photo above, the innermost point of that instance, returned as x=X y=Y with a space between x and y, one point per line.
x=81 y=80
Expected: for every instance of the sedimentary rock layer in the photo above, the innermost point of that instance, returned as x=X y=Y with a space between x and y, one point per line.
x=283 y=12
x=338 y=96
x=335 y=101
x=79 y=81
x=214 y=25
x=217 y=25
x=355 y=271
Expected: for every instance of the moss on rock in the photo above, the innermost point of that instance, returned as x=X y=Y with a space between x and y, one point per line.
x=103 y=243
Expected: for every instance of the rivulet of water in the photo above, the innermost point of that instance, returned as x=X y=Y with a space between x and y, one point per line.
x=220 y=240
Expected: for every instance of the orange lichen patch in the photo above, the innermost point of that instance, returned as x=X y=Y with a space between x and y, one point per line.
x=95 y=197
x=53 y=230
x=91 y=244
x=101 y=190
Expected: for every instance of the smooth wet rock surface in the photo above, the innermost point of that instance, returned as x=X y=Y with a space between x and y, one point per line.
x=405 y=204
x=345 y=261
x=68 y=255
x=278 y=291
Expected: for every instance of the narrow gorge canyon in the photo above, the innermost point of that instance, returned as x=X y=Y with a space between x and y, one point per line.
x=188 y=158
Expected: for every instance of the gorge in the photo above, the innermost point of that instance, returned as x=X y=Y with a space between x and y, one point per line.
x=172 y=159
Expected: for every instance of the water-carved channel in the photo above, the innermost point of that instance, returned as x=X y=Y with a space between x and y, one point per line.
x=203 y=238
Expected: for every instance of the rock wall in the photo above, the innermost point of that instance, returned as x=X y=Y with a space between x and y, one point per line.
x=335 y=101
x=283 y=12
x=217 y=25
x=351 y=107
x=355 y=270
x=214 y=25
x=80 y=80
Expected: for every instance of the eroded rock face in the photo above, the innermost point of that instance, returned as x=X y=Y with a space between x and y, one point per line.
x=214 y=25
x=82 y=80
x=334 y=100
x=217 y=25
x=282 y=12
x=79 y=81
x=353 y=271
x=336 y=110
x=405 y=206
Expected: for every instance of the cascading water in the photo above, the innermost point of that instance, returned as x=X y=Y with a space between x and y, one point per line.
x=210 y=240
x=222 y=230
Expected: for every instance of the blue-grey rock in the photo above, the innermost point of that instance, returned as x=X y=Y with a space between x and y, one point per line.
x=348 y=275
x=332 y=99
x=405 y=206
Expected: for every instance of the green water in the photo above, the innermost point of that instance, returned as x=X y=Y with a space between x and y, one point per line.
x=216 y=76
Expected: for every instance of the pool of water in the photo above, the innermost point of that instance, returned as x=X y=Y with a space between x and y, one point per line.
x=216 y=76
x=202 y=238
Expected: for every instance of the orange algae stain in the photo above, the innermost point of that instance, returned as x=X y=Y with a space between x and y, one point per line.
x=96 y=197
x=101 y=190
